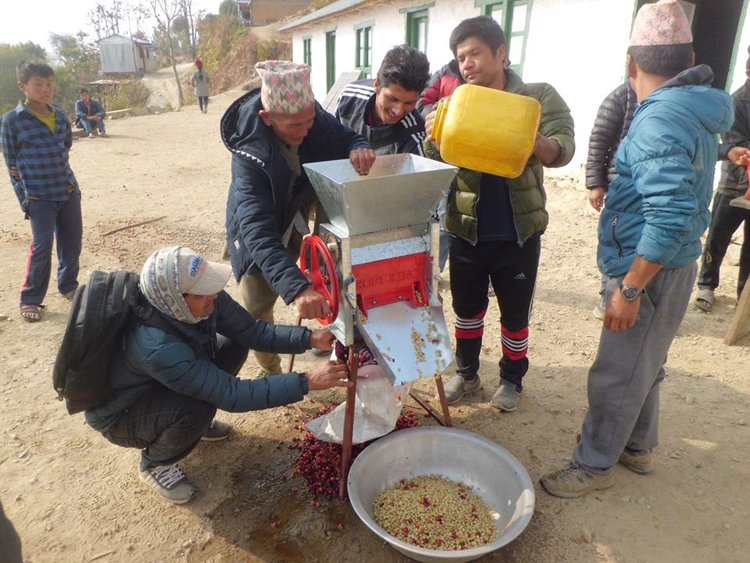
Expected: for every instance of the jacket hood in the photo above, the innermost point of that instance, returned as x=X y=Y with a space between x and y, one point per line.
x=691 y=90
x=242 y=129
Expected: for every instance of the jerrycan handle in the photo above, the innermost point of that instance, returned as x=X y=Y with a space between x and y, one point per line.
x=440 y=113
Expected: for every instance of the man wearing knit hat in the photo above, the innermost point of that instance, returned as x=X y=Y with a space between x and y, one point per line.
x=272 y=131
x=649 y=240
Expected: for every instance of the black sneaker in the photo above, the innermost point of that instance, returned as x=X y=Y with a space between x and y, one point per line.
x=217 y=431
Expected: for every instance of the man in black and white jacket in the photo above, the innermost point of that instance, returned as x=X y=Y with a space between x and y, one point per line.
x=383 y=110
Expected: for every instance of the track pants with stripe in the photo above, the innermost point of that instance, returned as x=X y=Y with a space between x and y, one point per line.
x=512 y=270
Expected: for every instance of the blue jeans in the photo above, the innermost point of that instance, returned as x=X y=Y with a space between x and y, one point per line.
x=167 y=425
x=89 y=125
x=50 y=220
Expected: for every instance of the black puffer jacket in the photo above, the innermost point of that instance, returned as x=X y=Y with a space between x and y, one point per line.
x=610 y=127
x=733 y=179
x=259 y=207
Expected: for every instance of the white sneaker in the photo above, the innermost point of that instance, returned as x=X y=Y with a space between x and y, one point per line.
x=91 y=135
x=170 y=482
x=598 y=312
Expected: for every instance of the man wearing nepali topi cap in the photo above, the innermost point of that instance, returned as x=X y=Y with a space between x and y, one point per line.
x=649 y=239
x=272 y=131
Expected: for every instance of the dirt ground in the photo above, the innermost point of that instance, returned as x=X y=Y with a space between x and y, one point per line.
x=74 y=497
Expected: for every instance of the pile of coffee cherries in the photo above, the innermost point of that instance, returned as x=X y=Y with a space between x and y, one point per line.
x=319 y=463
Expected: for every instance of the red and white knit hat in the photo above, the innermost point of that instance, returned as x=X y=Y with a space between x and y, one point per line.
x=662 y=23
x=285 y=86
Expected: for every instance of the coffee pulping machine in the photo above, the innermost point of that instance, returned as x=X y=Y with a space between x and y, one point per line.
x=376 y=261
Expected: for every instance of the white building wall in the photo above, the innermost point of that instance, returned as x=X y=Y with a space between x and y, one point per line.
x=572 y=48
x=577 y=46
x=389 y=29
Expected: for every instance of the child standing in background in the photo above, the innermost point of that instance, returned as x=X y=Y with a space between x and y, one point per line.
x=36 y=138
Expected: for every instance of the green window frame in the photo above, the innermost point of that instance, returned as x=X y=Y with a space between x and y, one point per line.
x=330 y=59
x=417 y=23
x=363 y=53
x=307 y=51
x=513 y=16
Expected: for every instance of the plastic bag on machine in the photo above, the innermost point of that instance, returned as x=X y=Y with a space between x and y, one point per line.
x=377 y=407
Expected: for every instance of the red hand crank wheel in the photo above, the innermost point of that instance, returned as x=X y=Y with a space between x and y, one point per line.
x=317 y=264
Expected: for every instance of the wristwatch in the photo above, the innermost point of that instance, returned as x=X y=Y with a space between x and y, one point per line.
x=630 y=292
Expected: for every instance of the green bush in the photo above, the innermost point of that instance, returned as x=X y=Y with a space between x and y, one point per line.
x=128 y=95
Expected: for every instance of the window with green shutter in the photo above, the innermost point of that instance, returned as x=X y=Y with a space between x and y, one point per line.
x=307 y=51
x=416 y=29
x=330 y=59
x=363 y=54
x=513 y=16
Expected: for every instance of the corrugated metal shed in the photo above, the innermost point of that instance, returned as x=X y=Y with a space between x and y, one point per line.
x=122 y=55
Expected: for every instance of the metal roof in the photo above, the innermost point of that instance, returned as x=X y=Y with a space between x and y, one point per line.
x=329 y=10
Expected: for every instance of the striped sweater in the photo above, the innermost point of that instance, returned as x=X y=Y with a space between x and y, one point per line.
x=357 y=102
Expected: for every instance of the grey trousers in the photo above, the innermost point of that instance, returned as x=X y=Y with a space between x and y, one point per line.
x=623 y=382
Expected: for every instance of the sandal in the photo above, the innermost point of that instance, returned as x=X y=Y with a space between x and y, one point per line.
x=705 y=300
x=31 y=313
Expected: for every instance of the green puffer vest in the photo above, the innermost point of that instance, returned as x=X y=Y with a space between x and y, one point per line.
x=527 y=196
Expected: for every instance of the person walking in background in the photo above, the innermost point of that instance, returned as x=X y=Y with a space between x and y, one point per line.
x=200 y=82
x=497 y=222
x=649 y=239
x=726 y=219
x=611 y=125
x=383 y=110
x=272 y=131
x=90 y=115
x=36 y=138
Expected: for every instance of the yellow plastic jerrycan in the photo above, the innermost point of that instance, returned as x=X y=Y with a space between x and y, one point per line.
x=487 y=130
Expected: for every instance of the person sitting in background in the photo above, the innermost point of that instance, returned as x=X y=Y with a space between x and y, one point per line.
x=90 y=115
x=168 y=383
x=383 y=110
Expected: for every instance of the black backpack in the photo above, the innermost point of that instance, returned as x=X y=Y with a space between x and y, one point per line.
x=101 y=309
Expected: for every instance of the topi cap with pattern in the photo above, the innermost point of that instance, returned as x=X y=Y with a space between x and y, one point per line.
x=662 y=23
x=285 y=86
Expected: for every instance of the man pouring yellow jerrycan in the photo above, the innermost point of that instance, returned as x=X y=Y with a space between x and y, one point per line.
x=500 y=131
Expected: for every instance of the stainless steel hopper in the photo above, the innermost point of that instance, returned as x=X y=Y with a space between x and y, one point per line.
x=400 y=190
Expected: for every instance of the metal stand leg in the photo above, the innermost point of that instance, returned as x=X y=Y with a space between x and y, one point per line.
x=346 y=446
x=446 y=420
x=443 y=401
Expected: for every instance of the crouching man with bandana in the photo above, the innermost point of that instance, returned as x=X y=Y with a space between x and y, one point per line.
x=167 y=383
